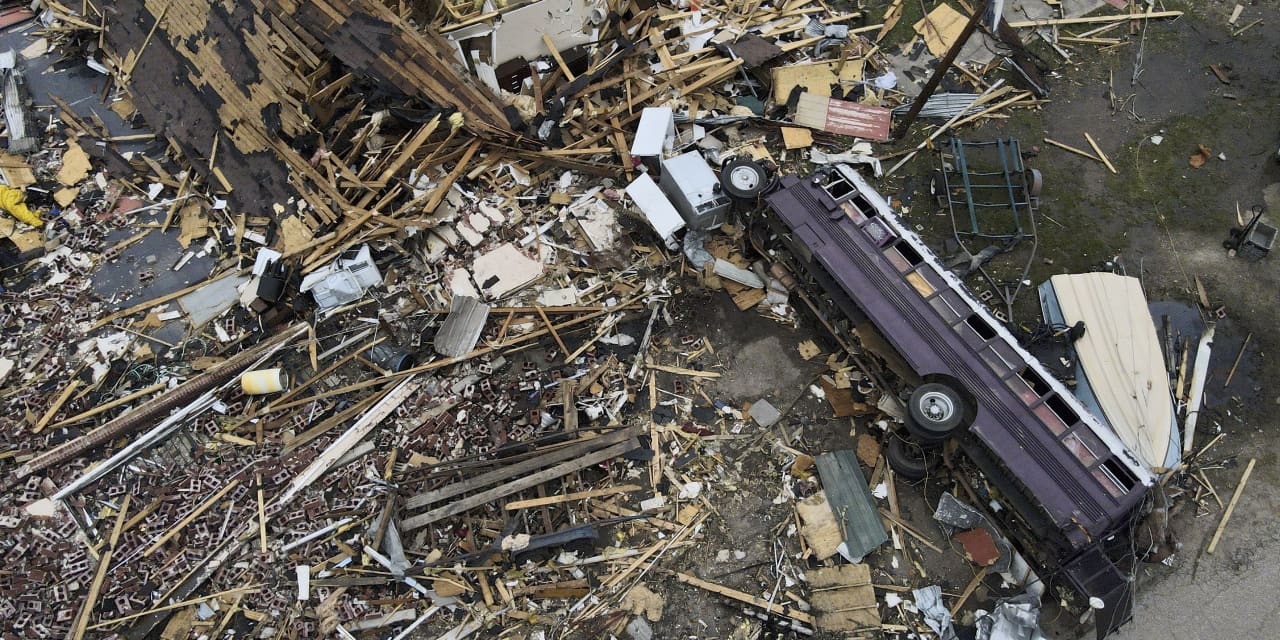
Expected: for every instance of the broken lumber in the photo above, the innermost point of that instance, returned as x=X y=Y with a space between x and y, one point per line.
x=562 y=469
x=1022 y=24
x=1231 y=506
x=570 y=497
x=755 y=601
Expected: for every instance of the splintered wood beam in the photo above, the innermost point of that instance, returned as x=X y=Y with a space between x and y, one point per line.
x=178 y=605
x=555 y=53
x=484 y=497
x=570 y=497
x=1231 y=507
x=752 y=600
x=91 y=600
x=546 y=458
x=1020 y=24
x=551 y=328
x=1098 y=150
x=196 y=513
x=71 y=387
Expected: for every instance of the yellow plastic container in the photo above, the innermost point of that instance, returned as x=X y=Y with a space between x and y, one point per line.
x=262 y=381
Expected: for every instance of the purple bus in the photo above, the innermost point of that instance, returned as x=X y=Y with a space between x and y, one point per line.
x=1068 y=478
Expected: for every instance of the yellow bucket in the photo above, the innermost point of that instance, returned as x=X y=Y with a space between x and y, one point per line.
x=264 y=381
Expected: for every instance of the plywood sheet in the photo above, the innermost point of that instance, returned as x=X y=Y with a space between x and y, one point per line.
x=816 y=77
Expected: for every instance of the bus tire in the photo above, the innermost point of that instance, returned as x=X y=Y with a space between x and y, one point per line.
x=907 y=459
x=744 y=178
x=937 y=410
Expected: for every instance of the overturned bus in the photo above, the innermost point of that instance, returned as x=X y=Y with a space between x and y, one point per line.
x=1071 y=483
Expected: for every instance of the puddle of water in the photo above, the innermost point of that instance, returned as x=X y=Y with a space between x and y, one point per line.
x=1185 y=322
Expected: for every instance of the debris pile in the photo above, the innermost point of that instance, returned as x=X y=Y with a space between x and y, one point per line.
x=373 y=319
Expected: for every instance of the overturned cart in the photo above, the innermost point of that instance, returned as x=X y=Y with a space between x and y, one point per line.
x=1071 y=483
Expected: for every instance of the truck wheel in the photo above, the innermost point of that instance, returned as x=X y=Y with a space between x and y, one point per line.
x=936 y=410
x=907 y=459
x=744 y=178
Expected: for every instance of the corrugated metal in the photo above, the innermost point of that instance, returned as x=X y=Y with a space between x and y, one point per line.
x=943 y=105
x=851 y=502
x=843 y=117
x=462 y=328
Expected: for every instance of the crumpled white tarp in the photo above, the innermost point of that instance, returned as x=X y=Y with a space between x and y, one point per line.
x=929 y=602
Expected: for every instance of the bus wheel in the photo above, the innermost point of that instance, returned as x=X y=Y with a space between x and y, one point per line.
x=907 y=459
x=936 y=411
x=744 y=178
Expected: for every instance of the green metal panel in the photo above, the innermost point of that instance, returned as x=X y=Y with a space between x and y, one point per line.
x=851 y=502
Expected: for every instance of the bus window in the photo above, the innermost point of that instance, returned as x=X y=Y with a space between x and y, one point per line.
x=920 y=284
x=997 y=355
x=895 y=258
x=1082 y=452
x=1116 y=470
x=855 y=214
x=948 y=304
x=1108 y=481
x=1034 y=381
x=981 y=327
x=1050 y=419
x=878 y=232
x=1062 y=409
x=974 y=331
x=1022 y=389
x=837 y=187
x=860 y=201
x=1007 y=354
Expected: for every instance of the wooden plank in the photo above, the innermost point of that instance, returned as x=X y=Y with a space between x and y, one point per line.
x=1080 y=152
x=1232 y=372
x=555 y=53
x=551 y=327
x=968 y=590
x=111 y=405
x=1098 y=150
x=910 y=530
x=1020 y=24
x=70 y=388
x=500 y=474
x=90 y=601
x=570 y=497
x=851 y=501
x=684 y=372
x=562 y=469
x=754 y=601
x=1231 y=507
x=196 y=513
x=843 y=598
x=178 y=605
x=568 y=404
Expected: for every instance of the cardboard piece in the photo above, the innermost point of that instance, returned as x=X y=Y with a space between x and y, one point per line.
x=843 y=598
x=818 y=525
x=75 y=165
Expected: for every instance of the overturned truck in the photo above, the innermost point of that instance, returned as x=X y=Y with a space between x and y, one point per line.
x=1073 y=487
